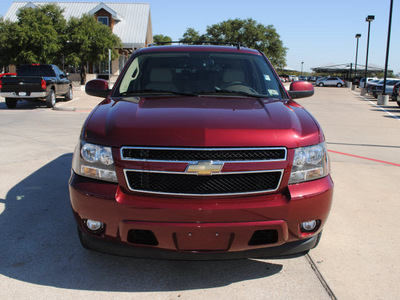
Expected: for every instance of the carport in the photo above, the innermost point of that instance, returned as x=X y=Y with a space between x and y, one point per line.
x=346 y=71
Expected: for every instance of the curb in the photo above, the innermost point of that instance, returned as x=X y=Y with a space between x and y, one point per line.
x=80 y=109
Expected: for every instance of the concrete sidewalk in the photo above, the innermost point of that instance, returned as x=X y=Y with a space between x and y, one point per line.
x=358 y=252
x=81 y=102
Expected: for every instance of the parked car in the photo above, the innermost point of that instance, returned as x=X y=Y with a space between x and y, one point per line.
x=285 y=77
x=362 y=81
x=331 y=81
x=293 y=78
x=377 y=88
x=193 y=155
x=303 y=78
x=311 y=78
x=36 y=82
x=320 y=78
x=7 y=75
x=372 y=83
x=395 y=92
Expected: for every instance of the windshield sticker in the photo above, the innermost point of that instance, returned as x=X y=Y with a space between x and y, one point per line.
x=273 y=92
x=267 y=78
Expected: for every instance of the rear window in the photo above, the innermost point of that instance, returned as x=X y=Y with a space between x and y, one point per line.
x=199 y=73
x=35 y=70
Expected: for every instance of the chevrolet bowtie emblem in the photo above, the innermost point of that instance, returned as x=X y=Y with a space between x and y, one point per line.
x=205 y=167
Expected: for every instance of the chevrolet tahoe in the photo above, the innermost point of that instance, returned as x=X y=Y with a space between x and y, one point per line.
x=199 y=152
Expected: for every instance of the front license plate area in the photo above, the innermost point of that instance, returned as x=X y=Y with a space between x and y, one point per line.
x=203 y=240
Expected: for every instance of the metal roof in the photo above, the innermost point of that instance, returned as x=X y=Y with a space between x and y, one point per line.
x=132 y=19
x=344 y=68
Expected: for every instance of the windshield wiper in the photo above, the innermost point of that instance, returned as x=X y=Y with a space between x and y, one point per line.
x=153 y=91
x=217 y=91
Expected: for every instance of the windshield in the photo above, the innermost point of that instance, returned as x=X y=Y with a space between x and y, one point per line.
x=36 y=70
x=199 y=73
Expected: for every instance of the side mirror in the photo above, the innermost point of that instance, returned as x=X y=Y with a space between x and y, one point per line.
x=301 y=89
x=97 y=88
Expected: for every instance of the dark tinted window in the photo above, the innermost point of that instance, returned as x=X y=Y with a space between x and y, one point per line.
x=36 y=70
x=200 y=73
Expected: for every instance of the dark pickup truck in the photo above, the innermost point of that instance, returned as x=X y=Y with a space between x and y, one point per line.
x=36 y=82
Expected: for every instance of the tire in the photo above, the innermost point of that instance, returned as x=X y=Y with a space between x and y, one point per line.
x=398 y=103
x=339 y=85
x=320 y=84
x=11 y=103
x=68 y=96
x=51 y=99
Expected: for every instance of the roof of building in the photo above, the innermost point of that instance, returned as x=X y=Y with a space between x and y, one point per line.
x=133 y=21
x=344 y=68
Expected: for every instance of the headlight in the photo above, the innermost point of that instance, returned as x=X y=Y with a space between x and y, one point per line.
x=94 y=161
x=309 y=163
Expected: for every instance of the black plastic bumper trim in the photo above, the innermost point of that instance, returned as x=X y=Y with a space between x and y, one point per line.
x=289 y=249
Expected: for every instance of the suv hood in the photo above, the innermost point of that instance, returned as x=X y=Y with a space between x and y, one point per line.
x=201 y=122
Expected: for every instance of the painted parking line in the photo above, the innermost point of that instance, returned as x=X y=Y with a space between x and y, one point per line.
x=381 y=108
x=366 y=158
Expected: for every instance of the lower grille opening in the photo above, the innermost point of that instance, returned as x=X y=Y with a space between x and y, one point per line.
x=142 y=237
x=263 y=237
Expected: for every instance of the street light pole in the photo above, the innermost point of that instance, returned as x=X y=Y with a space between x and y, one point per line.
x=384 y=100
x=358 y=35
x=369 y=19
x=302 y=68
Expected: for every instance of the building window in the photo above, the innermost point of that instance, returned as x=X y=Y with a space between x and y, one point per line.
x=103 y=20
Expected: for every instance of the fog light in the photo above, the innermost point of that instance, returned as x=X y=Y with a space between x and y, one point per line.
x=93 y=225
x=309 y=226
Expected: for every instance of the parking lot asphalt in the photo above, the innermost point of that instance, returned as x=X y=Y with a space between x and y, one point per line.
x=357 y=257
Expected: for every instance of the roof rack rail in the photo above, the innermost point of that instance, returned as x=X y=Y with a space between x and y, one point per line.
x=188 y=42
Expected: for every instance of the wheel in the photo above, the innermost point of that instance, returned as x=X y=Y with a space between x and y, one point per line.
x=320 y=84
x=68 y=96
x=11 y=103
x=51 y=99
x=398 y=103
x=339 y=85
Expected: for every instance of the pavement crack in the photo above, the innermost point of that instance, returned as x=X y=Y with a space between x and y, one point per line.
x=320 y=277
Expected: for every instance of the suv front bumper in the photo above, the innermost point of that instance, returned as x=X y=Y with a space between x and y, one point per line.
x=205 y=228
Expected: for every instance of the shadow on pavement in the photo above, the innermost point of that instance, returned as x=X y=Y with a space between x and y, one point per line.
x=26 y=105
x=39 y=245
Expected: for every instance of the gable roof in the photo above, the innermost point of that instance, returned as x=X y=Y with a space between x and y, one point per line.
x=133 y=24
x=102 y=5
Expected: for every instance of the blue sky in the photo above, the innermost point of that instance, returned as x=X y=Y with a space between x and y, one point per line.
x=315 y=32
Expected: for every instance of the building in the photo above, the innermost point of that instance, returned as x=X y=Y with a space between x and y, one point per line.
x=131 y=22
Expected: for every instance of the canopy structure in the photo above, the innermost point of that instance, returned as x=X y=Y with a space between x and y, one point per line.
x=347 y=70
x=289 y=69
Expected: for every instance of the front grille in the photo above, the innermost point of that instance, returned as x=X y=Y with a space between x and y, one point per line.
x=181 y=184
x=196 y=154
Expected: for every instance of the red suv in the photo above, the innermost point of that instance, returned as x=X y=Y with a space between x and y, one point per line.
x=199 y=152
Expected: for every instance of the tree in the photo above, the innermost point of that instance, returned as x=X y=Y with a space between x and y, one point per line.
x=249 y=33
x=88 y=41
x=159 y=38
x=193 y=36
x=35 y=38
